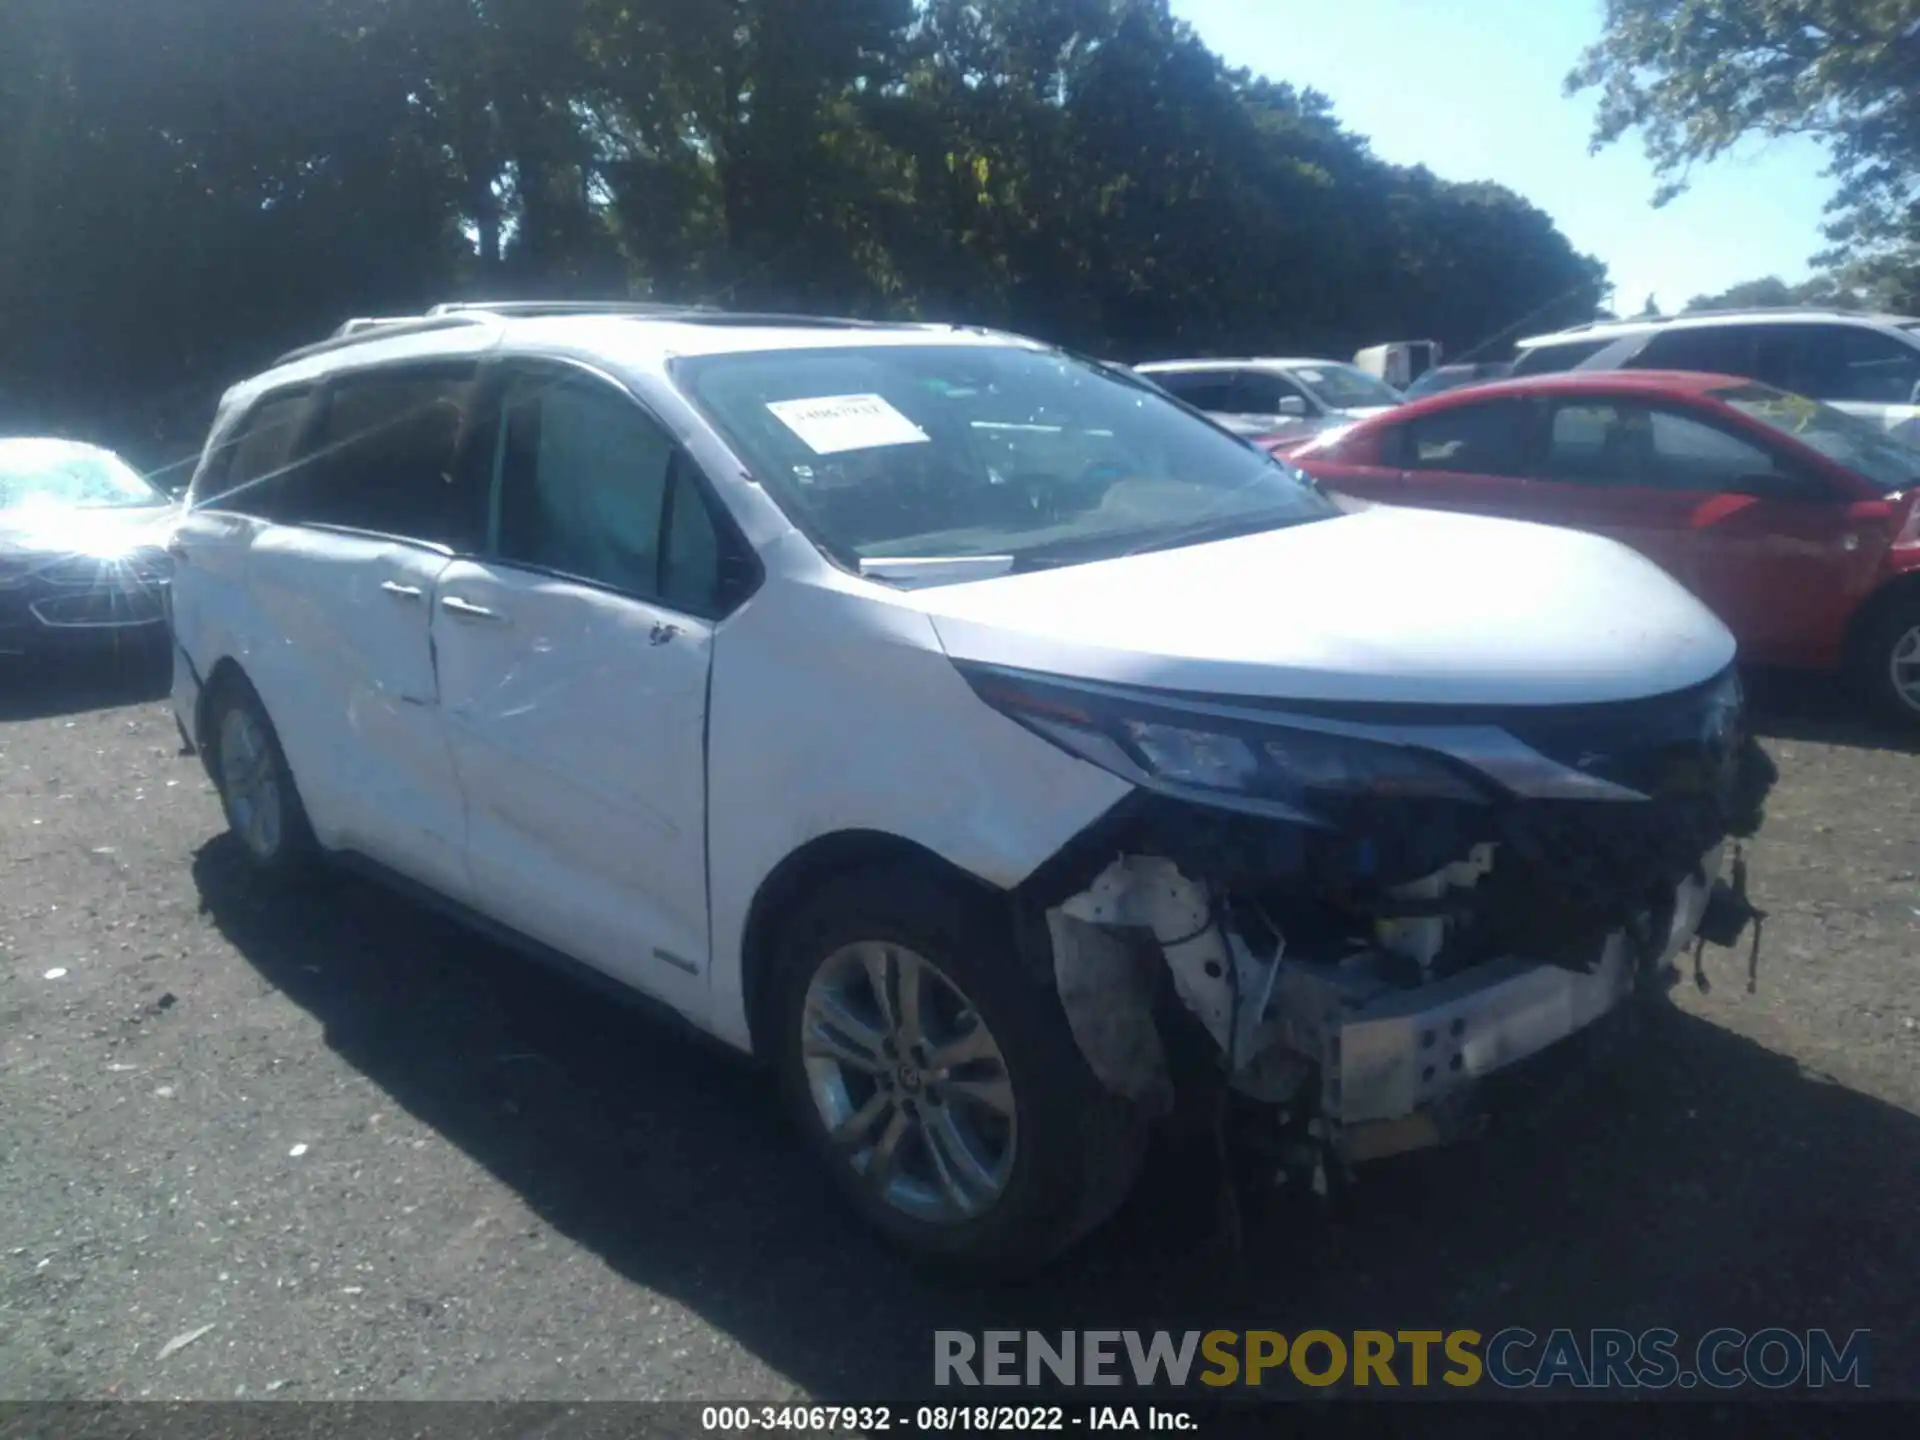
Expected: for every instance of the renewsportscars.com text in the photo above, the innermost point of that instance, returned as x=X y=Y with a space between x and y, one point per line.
x=1510 y=1359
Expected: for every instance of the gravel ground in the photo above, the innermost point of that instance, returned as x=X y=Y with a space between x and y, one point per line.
x=331 y=1147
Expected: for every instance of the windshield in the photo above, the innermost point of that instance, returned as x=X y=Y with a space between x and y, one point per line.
x=1860 y=445
x=56 y=474
x=941 y=452
x=1343 y=387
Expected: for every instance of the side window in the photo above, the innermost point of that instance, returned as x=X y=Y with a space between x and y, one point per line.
x=1259 y=392
x=1596 y=442
x=1780 y=356
x=1724 y=350
x=1851 y=362
x=1556 y=356
x=1471 y=439
x=386 y=456
x=591 y=487
x=258 y=476
x=1690 y=454
x=1209 y=390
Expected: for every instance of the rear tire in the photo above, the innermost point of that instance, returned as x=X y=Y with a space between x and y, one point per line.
x=1002 y=1183
x=257 y=792
x=1887 y=666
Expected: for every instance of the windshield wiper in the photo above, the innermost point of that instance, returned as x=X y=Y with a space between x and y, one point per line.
x=1112 y=547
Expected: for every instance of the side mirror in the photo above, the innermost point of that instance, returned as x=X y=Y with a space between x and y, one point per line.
x=1775 y=486
x=1293 y=407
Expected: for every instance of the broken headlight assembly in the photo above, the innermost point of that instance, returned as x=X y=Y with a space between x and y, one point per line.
x=1237 y=760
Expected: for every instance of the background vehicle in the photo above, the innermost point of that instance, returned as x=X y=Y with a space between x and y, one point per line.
x=875 y=697
x=1799 y=524
x=1867 y=365
x=1452 y=377
x=1273 y=396
x=81 y=547
x=1400 y=363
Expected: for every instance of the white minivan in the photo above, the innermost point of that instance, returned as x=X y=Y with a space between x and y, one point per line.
x=1005 y=753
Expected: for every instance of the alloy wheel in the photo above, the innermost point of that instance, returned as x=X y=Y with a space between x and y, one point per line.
x=910 y=1084
x=250 y=782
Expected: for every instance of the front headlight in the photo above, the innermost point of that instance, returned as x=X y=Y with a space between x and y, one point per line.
x=1241 y=762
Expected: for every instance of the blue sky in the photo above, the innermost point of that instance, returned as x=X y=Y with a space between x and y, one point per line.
x=1471 y=89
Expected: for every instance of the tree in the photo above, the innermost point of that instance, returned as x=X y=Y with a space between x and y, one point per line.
x=1697 y=76
x=196 y=185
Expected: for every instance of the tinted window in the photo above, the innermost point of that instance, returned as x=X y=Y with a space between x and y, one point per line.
x=591 y=487
x=1470 y=439
x=1850 y=362
x=1260 y=393
x=1210 y=390
x=1558 y=355
x=386 y=454
x=259 y=474
x=1726 y=350
x=1607 y=443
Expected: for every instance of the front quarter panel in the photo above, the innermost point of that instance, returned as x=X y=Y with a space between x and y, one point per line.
x=834 y=709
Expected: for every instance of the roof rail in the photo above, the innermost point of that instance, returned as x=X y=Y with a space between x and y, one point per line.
x=364 y=330
x=453 y=314
x=1720 y=312
x=529 y=309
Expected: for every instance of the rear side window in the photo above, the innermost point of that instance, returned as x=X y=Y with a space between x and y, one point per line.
x=258 y=475
x=1853 y=363
x=1209 y=390
x=592 y=488
x=1558 y=355
x=1727 y=350
x=1488 y=439
x=386 y=456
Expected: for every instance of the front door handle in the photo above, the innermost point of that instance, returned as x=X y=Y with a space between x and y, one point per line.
x=404 y=592
x=467 y=610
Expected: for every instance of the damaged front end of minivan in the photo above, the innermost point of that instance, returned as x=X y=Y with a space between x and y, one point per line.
x=1344 y=916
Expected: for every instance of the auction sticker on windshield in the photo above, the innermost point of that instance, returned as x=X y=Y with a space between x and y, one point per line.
x=832 y=424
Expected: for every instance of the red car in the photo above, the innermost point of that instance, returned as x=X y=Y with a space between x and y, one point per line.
x=1796 y=523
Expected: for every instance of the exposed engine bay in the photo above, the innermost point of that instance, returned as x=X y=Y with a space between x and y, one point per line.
x=1356 y=960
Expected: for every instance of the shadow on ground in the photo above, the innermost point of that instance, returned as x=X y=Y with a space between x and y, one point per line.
x=1694 y=1181
x=1822 y=710
x=41 y=688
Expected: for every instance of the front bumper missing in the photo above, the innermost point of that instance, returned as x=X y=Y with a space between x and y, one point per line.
x=1404 y=1051
x=1395 y=1064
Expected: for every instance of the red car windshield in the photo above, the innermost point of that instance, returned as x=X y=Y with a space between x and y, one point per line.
x=1860 y=445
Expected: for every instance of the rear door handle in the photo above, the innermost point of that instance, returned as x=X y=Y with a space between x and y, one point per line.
x=467 y=610
x=404 y=592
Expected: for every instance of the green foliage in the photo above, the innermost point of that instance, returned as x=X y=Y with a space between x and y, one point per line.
x=1696 y=76
x=195 y=184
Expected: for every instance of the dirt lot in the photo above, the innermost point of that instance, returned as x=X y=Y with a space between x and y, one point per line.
x=353 y=1152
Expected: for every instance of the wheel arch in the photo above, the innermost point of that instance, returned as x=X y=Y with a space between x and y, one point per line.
x=1868 y=616
x=226 y=673
x=796 y=877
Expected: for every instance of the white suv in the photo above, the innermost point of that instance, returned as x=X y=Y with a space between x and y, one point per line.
x=1003 y=752
x=1867 y=365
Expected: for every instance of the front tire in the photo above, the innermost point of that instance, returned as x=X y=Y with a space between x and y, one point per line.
x=1889 y=664
x=942 y=1087
x=256 y=786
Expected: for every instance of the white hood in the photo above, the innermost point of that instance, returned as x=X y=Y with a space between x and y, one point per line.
x=1385 y=605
